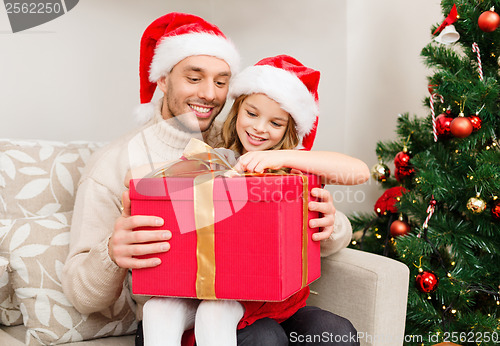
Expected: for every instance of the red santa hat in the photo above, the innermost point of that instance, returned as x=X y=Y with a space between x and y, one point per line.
x=172 y=38
x=288 y=82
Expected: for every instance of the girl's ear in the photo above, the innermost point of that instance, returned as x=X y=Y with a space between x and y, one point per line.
x=162 y=84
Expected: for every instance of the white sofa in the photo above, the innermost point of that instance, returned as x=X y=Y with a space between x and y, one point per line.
x=38 y=180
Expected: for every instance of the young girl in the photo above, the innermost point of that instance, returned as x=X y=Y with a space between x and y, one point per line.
x=274 y=113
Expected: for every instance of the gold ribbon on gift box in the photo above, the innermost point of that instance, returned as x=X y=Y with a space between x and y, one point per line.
x=205 y=164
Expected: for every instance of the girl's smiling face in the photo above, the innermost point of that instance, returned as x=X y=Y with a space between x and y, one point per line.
x=260 y=123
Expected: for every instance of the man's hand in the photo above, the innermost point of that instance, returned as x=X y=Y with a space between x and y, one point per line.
x=125 y=243
x=325 y=207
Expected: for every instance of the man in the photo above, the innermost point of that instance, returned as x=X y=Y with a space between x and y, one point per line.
x=191 y=62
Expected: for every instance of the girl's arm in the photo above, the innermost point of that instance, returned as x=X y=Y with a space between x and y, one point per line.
x=332 y=167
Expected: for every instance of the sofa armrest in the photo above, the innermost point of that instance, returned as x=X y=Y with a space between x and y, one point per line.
x=369 y=290
x=7 y=339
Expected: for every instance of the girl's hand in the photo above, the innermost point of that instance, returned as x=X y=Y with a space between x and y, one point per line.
x=326 y=208
x=258 y=161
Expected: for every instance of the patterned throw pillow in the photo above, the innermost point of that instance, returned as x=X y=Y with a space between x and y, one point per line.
x=37 y=178
x=38 y=248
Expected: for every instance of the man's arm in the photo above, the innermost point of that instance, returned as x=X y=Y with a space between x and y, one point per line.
x=92 y=279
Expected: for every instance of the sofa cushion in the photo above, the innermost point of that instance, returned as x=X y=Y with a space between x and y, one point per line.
x=40 y=177
x=37 y=178
x=38 y=248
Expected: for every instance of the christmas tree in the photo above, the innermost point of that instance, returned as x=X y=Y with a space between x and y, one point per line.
x=440 y=209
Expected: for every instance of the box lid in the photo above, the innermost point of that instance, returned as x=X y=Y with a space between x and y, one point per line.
x=272 y=188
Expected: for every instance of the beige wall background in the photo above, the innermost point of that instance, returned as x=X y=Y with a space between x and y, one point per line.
x=76 y=77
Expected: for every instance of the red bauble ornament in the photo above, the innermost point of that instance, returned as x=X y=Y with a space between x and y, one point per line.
x=426 y=281
x=461 y=127
x=488 y=21
x=403 y=166
x=399 y=227
x=495 y=210
x=476 y=122
x=401 y=173
x=443 y=123
x=402 y=159
x=431 y=88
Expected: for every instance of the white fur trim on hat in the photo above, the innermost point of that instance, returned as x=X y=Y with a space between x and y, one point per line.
x=283 y=87
x=144 y=112
x=172 y=49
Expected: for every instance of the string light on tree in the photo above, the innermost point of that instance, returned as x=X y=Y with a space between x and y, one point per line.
x=493 y=144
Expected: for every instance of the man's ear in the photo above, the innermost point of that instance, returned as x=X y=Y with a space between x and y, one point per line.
x=162 y=84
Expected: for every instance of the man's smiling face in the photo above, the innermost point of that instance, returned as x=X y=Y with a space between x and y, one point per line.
x=195 y=91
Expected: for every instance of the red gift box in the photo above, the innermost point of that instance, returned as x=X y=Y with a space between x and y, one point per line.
x=259 y=246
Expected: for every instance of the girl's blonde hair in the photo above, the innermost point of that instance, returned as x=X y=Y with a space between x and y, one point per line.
x=230 y=139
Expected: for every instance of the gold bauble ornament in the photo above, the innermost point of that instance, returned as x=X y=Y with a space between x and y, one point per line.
x=380 y=172
x=476 y=205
